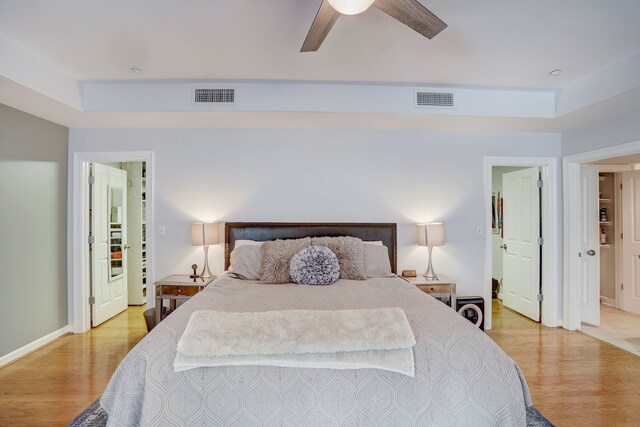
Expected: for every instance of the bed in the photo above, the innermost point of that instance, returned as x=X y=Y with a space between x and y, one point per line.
x=461 y=376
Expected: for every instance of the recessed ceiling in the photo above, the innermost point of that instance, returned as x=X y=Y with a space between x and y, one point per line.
x=488 y=43
x=622 y=160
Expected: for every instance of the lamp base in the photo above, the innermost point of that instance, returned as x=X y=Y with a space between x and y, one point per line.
x=206 y=273
x=430 y=274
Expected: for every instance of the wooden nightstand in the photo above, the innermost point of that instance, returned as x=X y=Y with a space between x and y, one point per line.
x=177 y=287
x=443 y=289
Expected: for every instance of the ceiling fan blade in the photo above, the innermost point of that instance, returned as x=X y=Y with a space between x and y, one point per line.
x=322 y=24
x=414 y=15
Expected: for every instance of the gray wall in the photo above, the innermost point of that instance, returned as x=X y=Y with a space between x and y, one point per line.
x=33 y=228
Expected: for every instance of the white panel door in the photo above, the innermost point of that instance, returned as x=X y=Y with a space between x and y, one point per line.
x=631 y=241
x=521 y=256
x=108 y=254
x=590 y=245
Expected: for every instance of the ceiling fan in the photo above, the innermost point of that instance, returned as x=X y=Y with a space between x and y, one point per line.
x=409 y=12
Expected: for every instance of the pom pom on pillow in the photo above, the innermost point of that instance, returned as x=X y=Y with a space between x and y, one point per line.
x=314 y=265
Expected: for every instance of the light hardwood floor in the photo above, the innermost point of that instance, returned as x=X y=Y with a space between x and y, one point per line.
x=575 y=380
x=50 y=386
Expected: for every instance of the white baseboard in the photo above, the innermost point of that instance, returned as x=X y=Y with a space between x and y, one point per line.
x=608 y=301
x=8 y=358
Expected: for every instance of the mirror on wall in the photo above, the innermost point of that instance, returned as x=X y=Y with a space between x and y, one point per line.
x=115 y=233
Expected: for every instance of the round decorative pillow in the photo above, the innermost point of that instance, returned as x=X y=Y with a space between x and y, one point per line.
x=314 y=265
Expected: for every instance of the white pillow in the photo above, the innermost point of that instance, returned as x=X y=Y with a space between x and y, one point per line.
x=373 y=242
x=247 y=242
x=246 y=262
x=376 y=261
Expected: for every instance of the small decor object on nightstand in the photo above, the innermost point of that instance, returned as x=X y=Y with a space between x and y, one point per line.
x=194 y=267
x=205 y=234
x=409 y=273
x=431 y=235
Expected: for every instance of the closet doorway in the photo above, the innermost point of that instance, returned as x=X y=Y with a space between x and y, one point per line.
x=110 y=250
x=117 y=238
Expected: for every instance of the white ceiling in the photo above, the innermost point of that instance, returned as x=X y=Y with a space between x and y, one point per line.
x=495 y=43
x=53 y=53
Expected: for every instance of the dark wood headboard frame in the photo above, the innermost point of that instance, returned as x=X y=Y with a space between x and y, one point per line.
x=263 y=231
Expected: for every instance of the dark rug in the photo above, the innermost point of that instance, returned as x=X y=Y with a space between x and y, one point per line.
x=536 y=419
x=95 y=416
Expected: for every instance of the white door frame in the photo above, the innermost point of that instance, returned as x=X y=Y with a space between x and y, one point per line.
x=78 y=226
x=572 y=224
x=550 y=233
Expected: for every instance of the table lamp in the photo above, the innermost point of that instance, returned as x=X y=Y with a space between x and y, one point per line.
x=205 y=234
x=431 y=235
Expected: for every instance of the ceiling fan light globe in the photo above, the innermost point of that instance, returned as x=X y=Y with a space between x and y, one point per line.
x=350 y=7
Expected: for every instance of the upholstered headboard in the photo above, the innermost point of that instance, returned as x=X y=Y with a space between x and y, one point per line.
x=262 y=231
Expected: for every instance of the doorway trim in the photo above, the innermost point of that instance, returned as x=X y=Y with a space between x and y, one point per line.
x=78 y=226
x=572 y=222
x=551 y=278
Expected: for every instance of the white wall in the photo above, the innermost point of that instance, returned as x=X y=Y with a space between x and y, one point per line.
x=322 y=175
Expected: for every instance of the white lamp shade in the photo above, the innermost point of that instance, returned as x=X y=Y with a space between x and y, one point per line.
x=204 y=233
x=431 y=234
x=351 y=7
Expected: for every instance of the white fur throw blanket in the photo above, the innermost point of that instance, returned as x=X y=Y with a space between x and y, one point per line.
x=338 y=339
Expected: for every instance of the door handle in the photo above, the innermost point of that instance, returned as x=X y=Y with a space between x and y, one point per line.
x=503 y=246
x=591 y=252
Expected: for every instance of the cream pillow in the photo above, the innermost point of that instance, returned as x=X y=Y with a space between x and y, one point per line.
x=246 y=242
x=376 y=261
x=246 y=262
x=350 y=253
x=276 y=256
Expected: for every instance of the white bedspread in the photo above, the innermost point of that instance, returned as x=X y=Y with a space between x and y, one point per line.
x=462 y=378
x=338 y=339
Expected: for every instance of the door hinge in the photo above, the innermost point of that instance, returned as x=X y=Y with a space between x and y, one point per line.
x=540 y=297
x=621 y=186
x=539 y=183
x=540 y=241
x=91 y=240
x=92 y=300
x=622 y=286
x=621 y=234
x=92 y=179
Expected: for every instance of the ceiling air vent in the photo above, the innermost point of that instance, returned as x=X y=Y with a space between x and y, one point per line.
x=434 y=99
x=214 y=96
